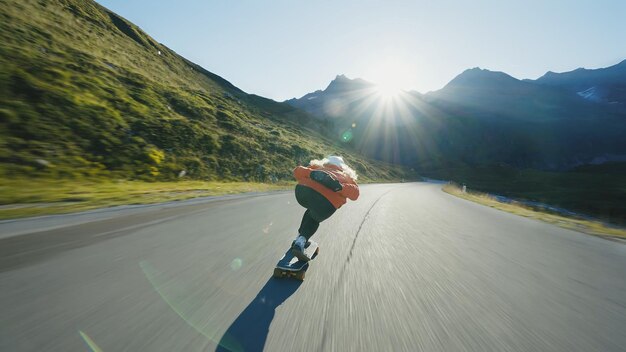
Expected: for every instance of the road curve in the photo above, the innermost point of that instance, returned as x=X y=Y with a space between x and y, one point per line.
x=405 y=268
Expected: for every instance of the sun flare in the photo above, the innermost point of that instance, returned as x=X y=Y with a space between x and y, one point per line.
x=392 y=76
x=387 y=90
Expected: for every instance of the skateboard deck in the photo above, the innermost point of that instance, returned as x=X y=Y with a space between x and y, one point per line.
x=291 y=266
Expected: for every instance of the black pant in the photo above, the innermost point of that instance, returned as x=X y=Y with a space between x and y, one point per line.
x=318 y=209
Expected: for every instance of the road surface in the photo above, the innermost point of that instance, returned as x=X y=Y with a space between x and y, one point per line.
x=405 y=268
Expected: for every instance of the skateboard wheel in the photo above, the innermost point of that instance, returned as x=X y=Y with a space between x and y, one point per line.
x=278 y=273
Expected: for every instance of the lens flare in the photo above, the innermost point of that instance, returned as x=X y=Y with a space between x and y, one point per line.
x=186 y=310
x=347 y=136
x=92 y=345
x=388 y=90
x=392 y=75
x=236 y=264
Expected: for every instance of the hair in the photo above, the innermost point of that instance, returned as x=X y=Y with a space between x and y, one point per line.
x=344 y=167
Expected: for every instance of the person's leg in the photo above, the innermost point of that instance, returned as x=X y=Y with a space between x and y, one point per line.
x=318 y=209
x=322 y=210
x=303 y=194
x=308 y=226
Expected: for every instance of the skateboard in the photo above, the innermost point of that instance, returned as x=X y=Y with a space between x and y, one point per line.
x=291 y=266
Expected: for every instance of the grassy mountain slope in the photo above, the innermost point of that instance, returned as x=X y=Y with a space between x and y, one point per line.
x=85 y=93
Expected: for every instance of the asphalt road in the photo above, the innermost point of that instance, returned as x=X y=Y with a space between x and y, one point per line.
x=405 y=268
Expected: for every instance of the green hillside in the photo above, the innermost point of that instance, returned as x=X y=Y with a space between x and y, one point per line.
x=86 y=94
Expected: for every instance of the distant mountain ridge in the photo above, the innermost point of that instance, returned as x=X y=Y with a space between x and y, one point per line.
x=606 y=85
x=341 y=87
x=482 y=117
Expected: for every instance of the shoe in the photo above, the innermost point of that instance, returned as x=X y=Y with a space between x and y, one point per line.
x=297 y=249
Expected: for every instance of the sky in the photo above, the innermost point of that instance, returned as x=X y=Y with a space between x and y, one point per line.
x=282 y=49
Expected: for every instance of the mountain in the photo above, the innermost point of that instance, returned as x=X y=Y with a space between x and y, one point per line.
x=86 y=93
x=604 y=85
x=495 y=133
x=530 y=124
x=321 y=103
x=493 y=94
x=353 y=109
x=481 y=117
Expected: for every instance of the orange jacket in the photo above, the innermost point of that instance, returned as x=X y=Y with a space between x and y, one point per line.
x=350 y=188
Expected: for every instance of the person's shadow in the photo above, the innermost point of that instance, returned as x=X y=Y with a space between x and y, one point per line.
x=249 y=331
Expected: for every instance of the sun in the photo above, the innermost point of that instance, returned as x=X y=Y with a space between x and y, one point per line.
x=388 y=90
x=391 y=77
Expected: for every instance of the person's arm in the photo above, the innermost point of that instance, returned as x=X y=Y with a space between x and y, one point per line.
x=326 y=180
x=350 y=191
x=301 y=172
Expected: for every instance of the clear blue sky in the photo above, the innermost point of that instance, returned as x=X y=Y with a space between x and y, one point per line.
x=287 y=48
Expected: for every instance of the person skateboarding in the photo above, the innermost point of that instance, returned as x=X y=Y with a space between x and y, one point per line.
x=322 y=188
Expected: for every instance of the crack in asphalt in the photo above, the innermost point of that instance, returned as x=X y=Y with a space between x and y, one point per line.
x=343 y=269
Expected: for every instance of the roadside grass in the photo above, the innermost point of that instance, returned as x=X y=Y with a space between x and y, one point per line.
x=590 y=227
x=33 y=197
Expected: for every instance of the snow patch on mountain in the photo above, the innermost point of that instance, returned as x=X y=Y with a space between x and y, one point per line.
x=591 y=94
